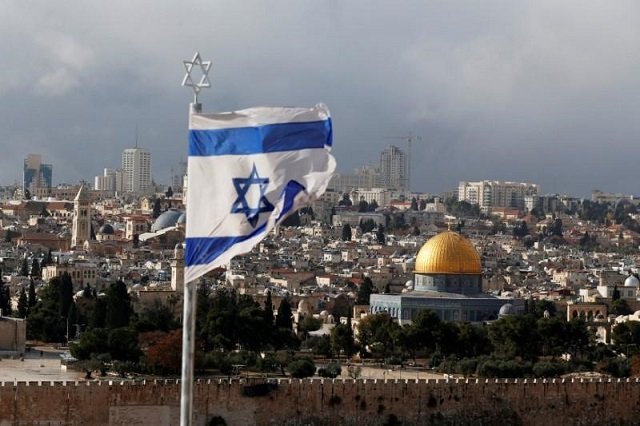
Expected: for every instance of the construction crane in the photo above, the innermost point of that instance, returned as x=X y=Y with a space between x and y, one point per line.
x=411 y=138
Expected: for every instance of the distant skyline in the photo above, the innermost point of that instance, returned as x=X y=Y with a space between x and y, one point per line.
x=534 y=91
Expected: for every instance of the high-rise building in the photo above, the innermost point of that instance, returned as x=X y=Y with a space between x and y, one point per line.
x=136 y=165
x=111 y=180
x=393 y=169
x=488 y=193
x=37 y=178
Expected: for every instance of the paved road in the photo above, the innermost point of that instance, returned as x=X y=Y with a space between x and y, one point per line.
x=38 y=364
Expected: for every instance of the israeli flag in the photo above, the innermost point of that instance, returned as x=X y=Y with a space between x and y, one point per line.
x=247 y=170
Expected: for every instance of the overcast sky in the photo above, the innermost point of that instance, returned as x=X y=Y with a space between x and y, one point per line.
x=540 y=91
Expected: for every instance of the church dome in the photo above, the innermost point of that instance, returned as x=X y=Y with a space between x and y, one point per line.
x=166 y=220
x=182 y=219
x=106 y=229
x=448 y=253
x=632 y=281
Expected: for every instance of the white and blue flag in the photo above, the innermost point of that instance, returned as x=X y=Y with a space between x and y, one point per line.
x=248 y=170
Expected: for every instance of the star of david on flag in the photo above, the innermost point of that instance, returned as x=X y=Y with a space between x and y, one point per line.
x=247 y=171
x=241 y=205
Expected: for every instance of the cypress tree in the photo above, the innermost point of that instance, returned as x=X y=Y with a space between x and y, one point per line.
x=31 y=299
x=284 y=318
x=268 y=310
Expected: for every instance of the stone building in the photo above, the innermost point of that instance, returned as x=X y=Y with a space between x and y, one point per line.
x=13 y=335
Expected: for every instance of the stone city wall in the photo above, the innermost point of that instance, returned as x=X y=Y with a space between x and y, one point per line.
x=326 y=402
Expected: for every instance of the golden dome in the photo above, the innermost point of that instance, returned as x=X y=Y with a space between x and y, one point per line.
x=448 y=253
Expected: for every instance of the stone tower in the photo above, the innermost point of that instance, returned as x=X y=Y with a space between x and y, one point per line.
x=81 y=219
x=177 y=269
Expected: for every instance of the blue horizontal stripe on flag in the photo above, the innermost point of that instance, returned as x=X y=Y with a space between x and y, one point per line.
x=200 y=251
x=260 y=139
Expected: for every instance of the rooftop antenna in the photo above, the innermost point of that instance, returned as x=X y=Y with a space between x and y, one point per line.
x=189 y=306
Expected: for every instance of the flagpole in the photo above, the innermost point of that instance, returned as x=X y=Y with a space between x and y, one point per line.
x=189 y=306
x=188 y=351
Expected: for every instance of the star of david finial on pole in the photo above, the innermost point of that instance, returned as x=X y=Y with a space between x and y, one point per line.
x=203 y=83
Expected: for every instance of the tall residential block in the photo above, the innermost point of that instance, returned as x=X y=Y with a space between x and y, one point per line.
x=111 y=180
x=136 y=165
x=394 y=169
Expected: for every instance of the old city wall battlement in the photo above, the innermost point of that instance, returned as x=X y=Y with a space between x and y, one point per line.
x=326 y=402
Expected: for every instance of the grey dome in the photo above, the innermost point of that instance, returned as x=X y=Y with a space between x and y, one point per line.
x=106 y=229
x=166 y=220
x=182 y=219
x=506 y=309
x=632 y=281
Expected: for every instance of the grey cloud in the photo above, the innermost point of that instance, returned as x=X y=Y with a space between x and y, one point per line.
x=528 y=90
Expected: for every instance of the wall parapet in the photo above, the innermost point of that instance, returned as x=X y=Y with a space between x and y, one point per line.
x=324 y=401
x=279 y=380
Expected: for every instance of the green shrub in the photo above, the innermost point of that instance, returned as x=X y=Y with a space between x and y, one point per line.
x=504 y=368
x=550 y=368
x=331 y=371
x=467 y=366
x=301 y=368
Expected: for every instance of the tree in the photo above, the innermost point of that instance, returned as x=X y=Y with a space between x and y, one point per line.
x=5 y=299
x=342 y=339
x=414 y=203
x=46 y=319
x=158 y=316
x=380 y=235
x=363 y=206
x=515 y=336
x=65 y=294
x=473 y=341
x=377 y=334
x=123 y=344
x=164 y=353
x=253 y=332
x=156 y=208
x=364 y=291
x=169 y=192
x=521 y=230
x=346 y=200
x=422 y=204
x=626 y=336
x=99 y=313
x=422 y=333
x=31 y=300
x=24 y=268
x=556 y=228
x=23 y=304
x=309 y=324
x=49 y=259
x=35 y=268
x=285 y=317
x=346 y=232
x=367 y=225
x=301 y=368
x=373 y=206
x=620 y=307
x=118 y=305
x=268 y=309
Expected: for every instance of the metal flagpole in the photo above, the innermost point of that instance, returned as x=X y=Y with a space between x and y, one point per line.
x=189 y=306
